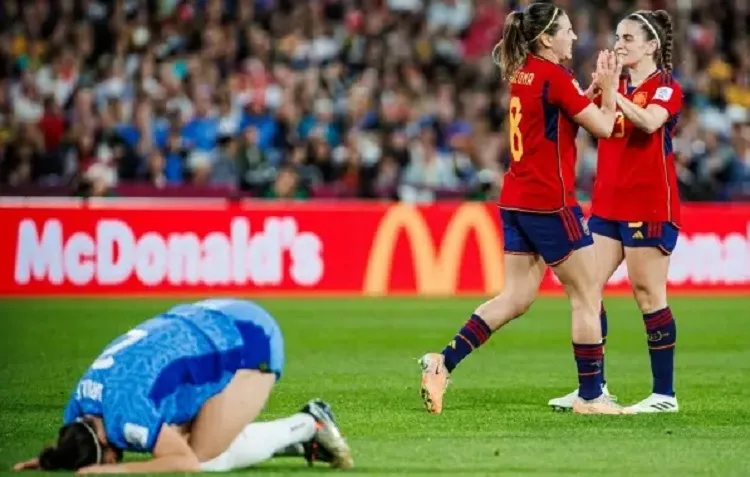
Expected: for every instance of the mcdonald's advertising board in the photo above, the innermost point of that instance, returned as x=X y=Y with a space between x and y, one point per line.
x=129 y=247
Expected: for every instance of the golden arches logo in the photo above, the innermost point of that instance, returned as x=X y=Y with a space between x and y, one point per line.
x=437 y=269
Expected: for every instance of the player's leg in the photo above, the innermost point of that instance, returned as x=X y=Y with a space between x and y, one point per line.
x=230 y=415
x=224 y=436
x=609 y=255
x=647 y=254
x=566 y=245
x=523 y=274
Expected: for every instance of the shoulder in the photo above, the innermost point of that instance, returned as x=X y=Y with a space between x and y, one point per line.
x=665 y=87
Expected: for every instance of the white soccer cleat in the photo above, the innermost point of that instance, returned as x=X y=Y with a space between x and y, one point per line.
x=565 y=403
x=655 y=403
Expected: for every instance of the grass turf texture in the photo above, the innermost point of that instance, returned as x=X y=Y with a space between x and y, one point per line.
x=360 y=355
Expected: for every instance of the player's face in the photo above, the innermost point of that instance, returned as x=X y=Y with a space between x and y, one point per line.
x=562 y=42
x=631 y=45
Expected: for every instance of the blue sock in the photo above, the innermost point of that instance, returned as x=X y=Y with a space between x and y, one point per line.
x=589 y=361
x=474 y=334
x=662 y=336
x=603 y=320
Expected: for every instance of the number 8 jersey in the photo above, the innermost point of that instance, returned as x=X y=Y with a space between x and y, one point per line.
x=544 y=97
x=165 y=369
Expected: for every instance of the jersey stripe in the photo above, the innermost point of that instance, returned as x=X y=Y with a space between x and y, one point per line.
x=199 y=370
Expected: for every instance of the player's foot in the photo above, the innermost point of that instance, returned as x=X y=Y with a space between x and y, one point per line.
x=434 y=381
x=655 y=403
x=601 y=405
x=328 y=445
x=565 y=403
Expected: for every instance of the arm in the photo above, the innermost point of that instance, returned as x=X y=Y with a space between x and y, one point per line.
x=647 y=119
x=599 y=121
x=171 y=454
x=593 y=91
x=31 y=464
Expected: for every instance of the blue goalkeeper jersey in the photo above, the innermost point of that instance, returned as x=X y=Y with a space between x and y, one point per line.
x=165 y=369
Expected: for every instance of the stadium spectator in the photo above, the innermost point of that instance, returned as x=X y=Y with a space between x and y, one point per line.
x=370 y=98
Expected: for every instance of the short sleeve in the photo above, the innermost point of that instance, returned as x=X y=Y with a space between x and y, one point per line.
x=668 y=97
x=72 y=411
x=567 y=93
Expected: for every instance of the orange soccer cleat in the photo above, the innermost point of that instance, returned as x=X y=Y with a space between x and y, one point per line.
x=435 y=379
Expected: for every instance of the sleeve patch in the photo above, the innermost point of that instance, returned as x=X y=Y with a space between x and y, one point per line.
x=135 y=435
x=663 y=93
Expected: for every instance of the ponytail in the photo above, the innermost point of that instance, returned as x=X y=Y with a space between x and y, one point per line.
x=665 y=23
x=510 y=53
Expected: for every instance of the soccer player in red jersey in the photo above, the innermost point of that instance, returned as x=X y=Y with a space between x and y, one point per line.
x=542 y=222
x=635 y=205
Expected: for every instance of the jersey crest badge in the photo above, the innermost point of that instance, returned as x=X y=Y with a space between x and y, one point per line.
x=640 y=99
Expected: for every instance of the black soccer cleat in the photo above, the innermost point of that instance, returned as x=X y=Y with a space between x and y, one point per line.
x=328 y=445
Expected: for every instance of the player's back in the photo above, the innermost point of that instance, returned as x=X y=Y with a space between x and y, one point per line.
x=544 y=97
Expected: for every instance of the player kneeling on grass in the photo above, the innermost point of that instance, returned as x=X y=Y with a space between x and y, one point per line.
x=186 y=386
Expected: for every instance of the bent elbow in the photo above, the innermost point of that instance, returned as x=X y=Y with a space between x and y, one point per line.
x=647 y=128
x=602 y=133
x=649 y=125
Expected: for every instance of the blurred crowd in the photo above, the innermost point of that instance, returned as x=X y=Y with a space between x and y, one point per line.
x=321 y=98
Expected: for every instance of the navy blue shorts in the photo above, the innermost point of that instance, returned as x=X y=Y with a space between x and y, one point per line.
x=261 y=335
x=662 y=235
x=554 y=236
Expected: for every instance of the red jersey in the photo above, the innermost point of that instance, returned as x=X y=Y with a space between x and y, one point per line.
x=544 y=97
x=636 y=179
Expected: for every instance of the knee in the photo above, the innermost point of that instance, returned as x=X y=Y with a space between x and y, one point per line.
x=206 y=454
x=649 y=298
x=585 y=296
x=505 y=307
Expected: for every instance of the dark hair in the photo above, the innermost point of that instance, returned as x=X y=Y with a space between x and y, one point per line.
x=520 y=35
x=76 y=447
x=658 y=21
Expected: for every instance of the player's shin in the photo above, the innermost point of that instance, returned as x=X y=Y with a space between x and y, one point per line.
x=471 y=336
x=588 y=348
x=661 y=329
x=260 y=441
x=588 y=359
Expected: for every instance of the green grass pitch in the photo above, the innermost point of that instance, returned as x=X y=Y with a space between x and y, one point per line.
x=361 y=356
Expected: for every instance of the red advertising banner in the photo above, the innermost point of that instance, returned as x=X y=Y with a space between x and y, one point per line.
x=350 y=248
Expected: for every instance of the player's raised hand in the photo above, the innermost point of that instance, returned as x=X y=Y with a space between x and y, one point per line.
x=607 y=75
x=618 y=65
x=593 y=87
x=601 y=62
x=614 y=63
